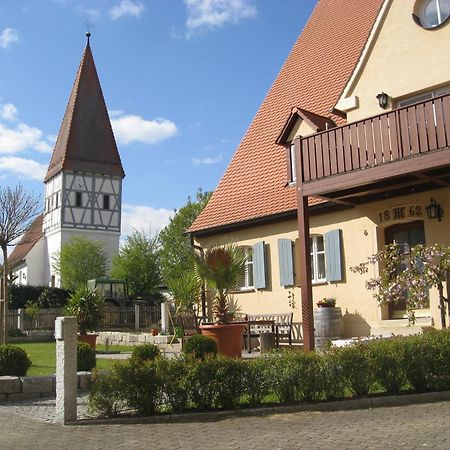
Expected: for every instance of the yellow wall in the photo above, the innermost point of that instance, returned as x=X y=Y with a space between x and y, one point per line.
x=405 y=59
x=363 y=235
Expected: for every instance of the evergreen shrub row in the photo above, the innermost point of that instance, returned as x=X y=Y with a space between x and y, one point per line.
x=419 y=363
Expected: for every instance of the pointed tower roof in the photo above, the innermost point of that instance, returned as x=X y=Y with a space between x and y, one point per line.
x=86 y=141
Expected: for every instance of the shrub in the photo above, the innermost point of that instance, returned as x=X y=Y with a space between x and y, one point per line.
x=200 y=346
x=437 y=346
x=310 y=376
x=387 y=358
x=282 y=374
x=229 y=380
x=174 y=382
x=356 y=368
x=416 y=362
x=201 y=380
x=333 y=382
x=16 y=332
x=85 y=357
x=106 y=395
x=146 y=352
x=43 y=296
x=14 y=361
x=256 y=382
x=140 y=384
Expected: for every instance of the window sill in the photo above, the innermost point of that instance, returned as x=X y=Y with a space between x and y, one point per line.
x=319 y=282
x=245 y=289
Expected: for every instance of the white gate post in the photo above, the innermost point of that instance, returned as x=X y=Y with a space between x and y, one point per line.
x=165 y=317
x=66 y=369
x=136 y=318
x=21 y=319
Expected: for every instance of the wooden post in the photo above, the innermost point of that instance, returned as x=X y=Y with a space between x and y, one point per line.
x=304 y=253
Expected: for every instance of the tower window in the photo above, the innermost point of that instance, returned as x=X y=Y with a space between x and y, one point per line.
x=78 y=199
x=106 y=201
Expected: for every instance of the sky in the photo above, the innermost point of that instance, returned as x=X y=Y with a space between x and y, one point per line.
x=182 y=80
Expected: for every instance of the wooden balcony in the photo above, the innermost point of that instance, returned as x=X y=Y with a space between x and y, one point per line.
x=394 y=153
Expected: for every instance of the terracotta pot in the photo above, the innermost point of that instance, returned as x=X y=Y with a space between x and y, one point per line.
x=228 y=338
x=154 y=331
x=90 y=339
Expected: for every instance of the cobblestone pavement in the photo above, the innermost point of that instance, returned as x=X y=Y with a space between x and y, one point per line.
x=27 y=426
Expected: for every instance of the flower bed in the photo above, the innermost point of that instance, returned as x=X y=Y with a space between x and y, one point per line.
x=173 y=385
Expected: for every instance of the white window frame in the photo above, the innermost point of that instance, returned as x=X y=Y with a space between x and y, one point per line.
x=248 y=270
x=292 y=163
x=315 y=259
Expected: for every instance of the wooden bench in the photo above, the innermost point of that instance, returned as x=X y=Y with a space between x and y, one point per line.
x=188 y=324
x=280 y=323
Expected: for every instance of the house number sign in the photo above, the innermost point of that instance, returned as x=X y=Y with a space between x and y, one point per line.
x=400 y=212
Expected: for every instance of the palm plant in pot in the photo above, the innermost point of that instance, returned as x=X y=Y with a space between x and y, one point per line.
x=222 y=268
x=86 y=305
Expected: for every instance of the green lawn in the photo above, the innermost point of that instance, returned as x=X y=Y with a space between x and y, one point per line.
x=43 y=357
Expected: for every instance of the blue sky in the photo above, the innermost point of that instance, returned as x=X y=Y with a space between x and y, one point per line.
x=182 y=80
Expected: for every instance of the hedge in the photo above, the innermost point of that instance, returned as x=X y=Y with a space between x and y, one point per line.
x=159 y=385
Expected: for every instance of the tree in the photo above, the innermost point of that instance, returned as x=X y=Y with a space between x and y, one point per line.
x=138 y=263
x=426 y=267
x=18 y=209
x=79 y=260
x=176 y=249
x=221 y=268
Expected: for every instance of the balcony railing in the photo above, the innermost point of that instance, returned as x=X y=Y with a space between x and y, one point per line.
x=398 y=134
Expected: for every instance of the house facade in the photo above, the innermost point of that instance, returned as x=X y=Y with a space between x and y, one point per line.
x=347 y=151
x=83 y=184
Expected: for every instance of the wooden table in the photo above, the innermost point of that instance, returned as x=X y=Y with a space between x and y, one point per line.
x=249 y=323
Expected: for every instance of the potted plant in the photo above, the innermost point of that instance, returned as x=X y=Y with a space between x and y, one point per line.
x=326 y=303
x=222 y=268
x=86 y=305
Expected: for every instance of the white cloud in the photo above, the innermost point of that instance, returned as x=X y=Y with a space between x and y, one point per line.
x=212 y=14
x=8 y=111
x=26 y=168
x=144 y=218
x=207 y=161
x=14 y=140
x=8 y=37
x=131 y=128
x=126 y=8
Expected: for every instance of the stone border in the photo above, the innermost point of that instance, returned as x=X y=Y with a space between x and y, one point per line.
x=14 y=389
x=127 y=338
x=336 y=405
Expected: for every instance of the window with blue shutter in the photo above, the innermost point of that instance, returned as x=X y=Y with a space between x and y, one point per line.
x=259 y=265
x=285 y=262
x=333 y=255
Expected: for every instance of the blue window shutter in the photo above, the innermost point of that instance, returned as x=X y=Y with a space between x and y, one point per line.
x=333 y=255
x=259 y=265
x=285 y=262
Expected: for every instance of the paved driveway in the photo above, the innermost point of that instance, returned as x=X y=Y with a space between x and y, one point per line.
x=410 y=427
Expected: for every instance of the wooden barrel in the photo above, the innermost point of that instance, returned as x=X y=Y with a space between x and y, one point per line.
x=328 y=325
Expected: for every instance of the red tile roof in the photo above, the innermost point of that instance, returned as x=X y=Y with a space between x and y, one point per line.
x=86 y=141
x=312 y=78
x=28 y=241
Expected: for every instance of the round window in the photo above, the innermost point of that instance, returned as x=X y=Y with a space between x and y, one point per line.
x=432 y=13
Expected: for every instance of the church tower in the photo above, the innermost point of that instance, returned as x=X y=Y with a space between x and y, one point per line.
x=83 y=184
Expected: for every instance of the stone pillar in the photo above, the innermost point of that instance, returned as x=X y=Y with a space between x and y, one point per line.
x=21 y=319
x=136 y=318
x=66 y=369
x=165 y=317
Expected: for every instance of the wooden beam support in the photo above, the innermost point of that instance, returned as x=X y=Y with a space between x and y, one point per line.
x=305 y=256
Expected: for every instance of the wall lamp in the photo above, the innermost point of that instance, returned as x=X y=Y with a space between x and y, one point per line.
x=434 y=210
x=383 y=100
